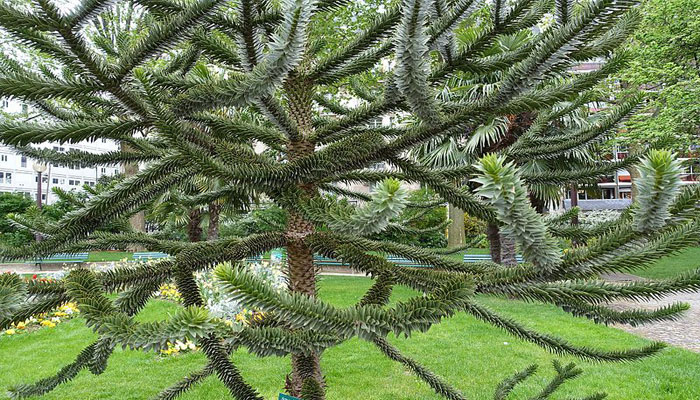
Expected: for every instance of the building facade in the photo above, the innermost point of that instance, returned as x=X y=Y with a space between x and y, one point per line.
x=17 y=173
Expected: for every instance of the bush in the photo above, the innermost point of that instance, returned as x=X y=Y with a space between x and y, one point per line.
x=13 y=203
x=473 y=226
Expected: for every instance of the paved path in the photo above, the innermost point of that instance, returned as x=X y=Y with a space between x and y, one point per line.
x=22 y=268
x=683 y=332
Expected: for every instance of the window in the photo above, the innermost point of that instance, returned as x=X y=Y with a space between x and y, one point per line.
x=90 y=183
x=104 y=140
x=54 y=181
x=63 y=181
x=103 y=170
x=3 y=157
x=73 y=182
x=375 y=122
x=43 y=197
x=6 y=177
x=24 y=161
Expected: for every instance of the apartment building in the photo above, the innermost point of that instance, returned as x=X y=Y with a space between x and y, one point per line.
x=17 y=174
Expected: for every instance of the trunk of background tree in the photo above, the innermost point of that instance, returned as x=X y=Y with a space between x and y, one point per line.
x=574 y=203
x=213 y=230
x=537 y=203
x=573 y=193
x=194 y=228
x=508 y=251
x=494 y=237
x=455 y=231
x=306 y=380
x=634 y=174
x=634 y=149
x=138 y=220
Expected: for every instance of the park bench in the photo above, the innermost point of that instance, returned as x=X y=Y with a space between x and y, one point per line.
x=254 y=259
x=400 y=261
x=62 y=258
x=149 y=255
x=405 y=262
x=472 y=258
x=328 y=262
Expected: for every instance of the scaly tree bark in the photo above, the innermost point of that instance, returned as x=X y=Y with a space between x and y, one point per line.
x=214 y=215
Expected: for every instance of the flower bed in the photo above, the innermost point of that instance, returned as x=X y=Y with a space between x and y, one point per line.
x=44 y=320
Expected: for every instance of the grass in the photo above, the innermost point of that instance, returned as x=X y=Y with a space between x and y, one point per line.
x=98 y=256
x=471 y=355
x=668 y=267
x=685 y=261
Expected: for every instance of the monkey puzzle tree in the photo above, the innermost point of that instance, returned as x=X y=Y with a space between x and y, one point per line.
x=264 y=59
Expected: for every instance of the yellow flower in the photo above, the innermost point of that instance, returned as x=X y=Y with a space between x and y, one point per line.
x=48 y=323
x=10 y=332
x=21 y=325
x=60 y=314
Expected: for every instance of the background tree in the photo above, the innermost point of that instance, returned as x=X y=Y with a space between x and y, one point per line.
x=665 y=61
x=11 y=203
x=262 y=59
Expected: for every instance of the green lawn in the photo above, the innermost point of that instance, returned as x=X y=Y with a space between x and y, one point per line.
x=471 y=355
x=668 y=267
x=674 y=265
x=97 y=256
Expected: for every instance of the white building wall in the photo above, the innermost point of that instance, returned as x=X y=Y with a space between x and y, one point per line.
x=18 y=176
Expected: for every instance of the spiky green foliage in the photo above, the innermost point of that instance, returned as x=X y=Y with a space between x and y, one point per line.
x=658 y=185
x=502 y=186
x=208 y=78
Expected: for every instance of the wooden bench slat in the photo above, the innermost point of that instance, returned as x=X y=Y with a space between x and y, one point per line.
x=74 y=258
x=484 y=257
x=149 y=255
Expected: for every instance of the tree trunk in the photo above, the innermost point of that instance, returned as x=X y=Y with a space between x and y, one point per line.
x=574 y=201
x=455 y=231
x=508 y=251
x=194 y=229
x=494 y=237
x=537 y=203
x=634 y=149
x=306 y=380
x=138 y=220
x=214 y=212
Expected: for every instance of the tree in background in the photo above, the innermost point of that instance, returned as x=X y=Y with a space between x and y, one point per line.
x=263 y=58
x=665 y=61
x=13 y=203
